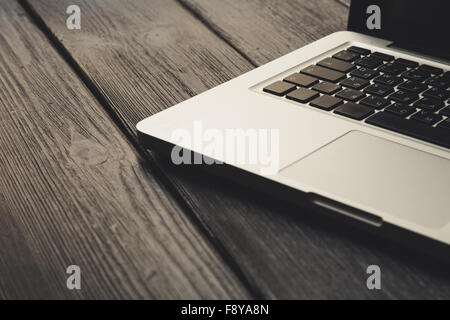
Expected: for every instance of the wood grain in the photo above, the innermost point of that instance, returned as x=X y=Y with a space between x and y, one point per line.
x=146 y=57
x=265 y=30
x=74 y=191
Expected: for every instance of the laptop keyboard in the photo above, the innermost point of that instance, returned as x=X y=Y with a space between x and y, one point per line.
x=394 y=94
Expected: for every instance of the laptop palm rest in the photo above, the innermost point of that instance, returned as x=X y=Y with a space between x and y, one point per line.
x=408 y=184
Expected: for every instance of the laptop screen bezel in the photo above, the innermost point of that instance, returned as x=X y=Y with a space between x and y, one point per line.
x=427 y=42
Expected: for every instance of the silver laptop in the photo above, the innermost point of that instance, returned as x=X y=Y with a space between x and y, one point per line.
x=357 y=124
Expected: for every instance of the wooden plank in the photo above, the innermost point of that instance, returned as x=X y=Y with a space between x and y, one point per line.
x=74 y=191
x=16 y=262
x=142 y=59
x=265 y=30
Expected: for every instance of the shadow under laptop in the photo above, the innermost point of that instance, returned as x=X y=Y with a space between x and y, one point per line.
x=281 y=247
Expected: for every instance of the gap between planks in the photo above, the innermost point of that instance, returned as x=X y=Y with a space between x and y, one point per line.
x=144 y=154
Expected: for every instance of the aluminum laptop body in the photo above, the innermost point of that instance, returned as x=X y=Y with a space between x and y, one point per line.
x=344 y=159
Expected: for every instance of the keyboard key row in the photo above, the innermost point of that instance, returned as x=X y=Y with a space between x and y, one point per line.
x=374 y=100
x=432 y=101
x=415 y=129
x=356 y=82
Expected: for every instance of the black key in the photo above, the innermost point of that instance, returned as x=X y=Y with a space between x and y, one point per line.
x=364 y=73
x=323 y=73
x=350 y=95
x=375 y=102
x=301 y=80
x=302 y=95
x=430 y=69
x=427 y=117
x=445 y=124
x=407 y=63
x=346 y=56
x=359 y=50
x=429 y=104
x=336 y=64
x=354 y=111
x=413 y=86
x=441 y=81
x=445 y=112
x=279 y=88
x=404 y=97
x=382 y=56
x=327 y=87
x=369 y=62
x=326 y=102
x=416 y=75
x=379 y=90
x=437 y=93
x=388 y=79
x=411 y=128
x=401 y=110
x=392 y=68
x=355 y=83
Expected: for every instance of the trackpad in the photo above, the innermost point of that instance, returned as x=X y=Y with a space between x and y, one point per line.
x=381 y=176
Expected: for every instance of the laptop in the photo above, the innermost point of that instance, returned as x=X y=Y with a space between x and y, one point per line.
x=356 y=124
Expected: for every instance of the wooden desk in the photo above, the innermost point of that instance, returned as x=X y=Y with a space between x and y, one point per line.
x=76 y=188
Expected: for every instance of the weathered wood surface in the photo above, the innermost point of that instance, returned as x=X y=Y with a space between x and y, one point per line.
x=265 y=30
x=144 y=56
x=74 y=191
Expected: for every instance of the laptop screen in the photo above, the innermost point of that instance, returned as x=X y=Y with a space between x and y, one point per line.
x=421 y=25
